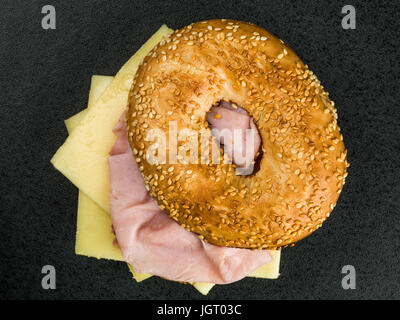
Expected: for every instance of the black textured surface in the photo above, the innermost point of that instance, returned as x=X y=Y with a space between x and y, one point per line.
x=45 y=78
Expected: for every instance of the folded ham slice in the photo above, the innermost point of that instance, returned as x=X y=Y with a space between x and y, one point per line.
x=154 y=243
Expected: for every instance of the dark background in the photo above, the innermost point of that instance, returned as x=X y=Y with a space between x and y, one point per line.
x=45 y=77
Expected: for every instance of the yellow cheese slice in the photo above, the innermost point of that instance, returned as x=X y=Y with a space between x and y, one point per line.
x=97 y=86
x=270 y=270
x=89 y=241
x=93 y=234
x=203 y=287
x=138 y=276
x=83 y=156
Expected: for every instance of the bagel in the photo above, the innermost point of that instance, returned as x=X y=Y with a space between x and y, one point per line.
x=303 y=165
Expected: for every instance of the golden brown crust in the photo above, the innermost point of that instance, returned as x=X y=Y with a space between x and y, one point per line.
x=303 y=167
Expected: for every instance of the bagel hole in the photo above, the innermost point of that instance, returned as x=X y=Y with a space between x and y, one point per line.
x=222 y=116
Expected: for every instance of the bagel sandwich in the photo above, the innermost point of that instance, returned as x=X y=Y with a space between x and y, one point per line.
x=223 y=149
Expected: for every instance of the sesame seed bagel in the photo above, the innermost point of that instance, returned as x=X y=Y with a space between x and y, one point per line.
x=303 y=164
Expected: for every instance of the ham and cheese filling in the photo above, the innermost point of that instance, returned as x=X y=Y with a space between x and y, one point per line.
x=154 y=243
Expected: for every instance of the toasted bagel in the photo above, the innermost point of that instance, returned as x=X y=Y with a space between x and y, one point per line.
x=303 y=165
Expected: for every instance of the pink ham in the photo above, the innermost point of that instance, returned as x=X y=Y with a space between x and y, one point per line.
x=154 y=243
x=235 y=129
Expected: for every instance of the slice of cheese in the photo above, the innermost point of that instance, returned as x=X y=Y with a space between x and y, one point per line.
x=203 y=287
x=72 y=123
x=139 y=277
x=93 y=234
x=83 y=156
x=270 y=270
x=97 y=86
x=89 y=241
x=91 y=218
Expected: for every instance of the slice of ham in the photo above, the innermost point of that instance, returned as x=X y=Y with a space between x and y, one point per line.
x=235 y=129
x=154 y=243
